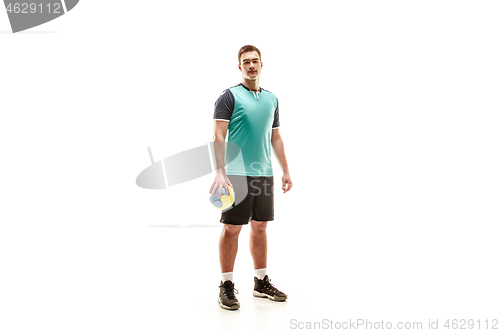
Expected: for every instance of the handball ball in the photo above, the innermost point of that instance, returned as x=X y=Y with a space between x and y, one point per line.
x=225 y=200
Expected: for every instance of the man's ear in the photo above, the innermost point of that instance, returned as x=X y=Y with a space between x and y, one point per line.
x=239 y=66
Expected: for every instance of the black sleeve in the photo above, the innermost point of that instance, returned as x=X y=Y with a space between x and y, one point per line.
x=276 y=122
x=224 y=106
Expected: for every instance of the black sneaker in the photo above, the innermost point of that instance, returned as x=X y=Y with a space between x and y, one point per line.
x=227 y=300
x=264 y=288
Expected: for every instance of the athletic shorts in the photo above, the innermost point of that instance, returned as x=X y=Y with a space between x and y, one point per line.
x=254 y=200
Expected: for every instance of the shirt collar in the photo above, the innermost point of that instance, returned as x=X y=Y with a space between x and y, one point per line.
x=241 y=84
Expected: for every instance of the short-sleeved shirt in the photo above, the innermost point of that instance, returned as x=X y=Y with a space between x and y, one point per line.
x=252 y=115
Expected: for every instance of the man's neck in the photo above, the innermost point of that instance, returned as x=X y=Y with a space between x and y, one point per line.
x=251 y=84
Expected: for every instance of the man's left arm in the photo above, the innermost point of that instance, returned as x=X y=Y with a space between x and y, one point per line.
x=279 y=150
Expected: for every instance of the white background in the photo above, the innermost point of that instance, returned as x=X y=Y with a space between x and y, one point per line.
x=389 y=113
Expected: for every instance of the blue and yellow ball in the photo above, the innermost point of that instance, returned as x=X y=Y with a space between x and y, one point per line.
x=225 y=200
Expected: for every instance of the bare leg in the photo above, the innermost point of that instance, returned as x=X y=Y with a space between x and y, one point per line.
x=258 y=244
x=228 y=246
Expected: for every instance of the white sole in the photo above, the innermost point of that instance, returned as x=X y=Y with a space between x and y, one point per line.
x=272 y=298
x=234 y=307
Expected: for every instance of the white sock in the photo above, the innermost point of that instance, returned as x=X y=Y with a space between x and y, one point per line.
x=227 y=276
x=261 y=273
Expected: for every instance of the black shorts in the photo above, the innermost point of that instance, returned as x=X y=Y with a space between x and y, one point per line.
x=254 y=200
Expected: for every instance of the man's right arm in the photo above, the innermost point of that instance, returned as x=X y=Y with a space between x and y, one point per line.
x=220 y=132
x=223 y=110
x=219 y=138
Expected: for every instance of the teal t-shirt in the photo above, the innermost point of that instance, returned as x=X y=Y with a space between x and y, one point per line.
x=252 y=115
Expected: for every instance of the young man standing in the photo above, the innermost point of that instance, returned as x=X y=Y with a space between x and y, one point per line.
x=251 y=115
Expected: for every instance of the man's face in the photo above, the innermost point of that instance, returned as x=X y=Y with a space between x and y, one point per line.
x=250 y=65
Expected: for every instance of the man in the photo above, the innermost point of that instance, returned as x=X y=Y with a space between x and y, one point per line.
x=251 y=114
